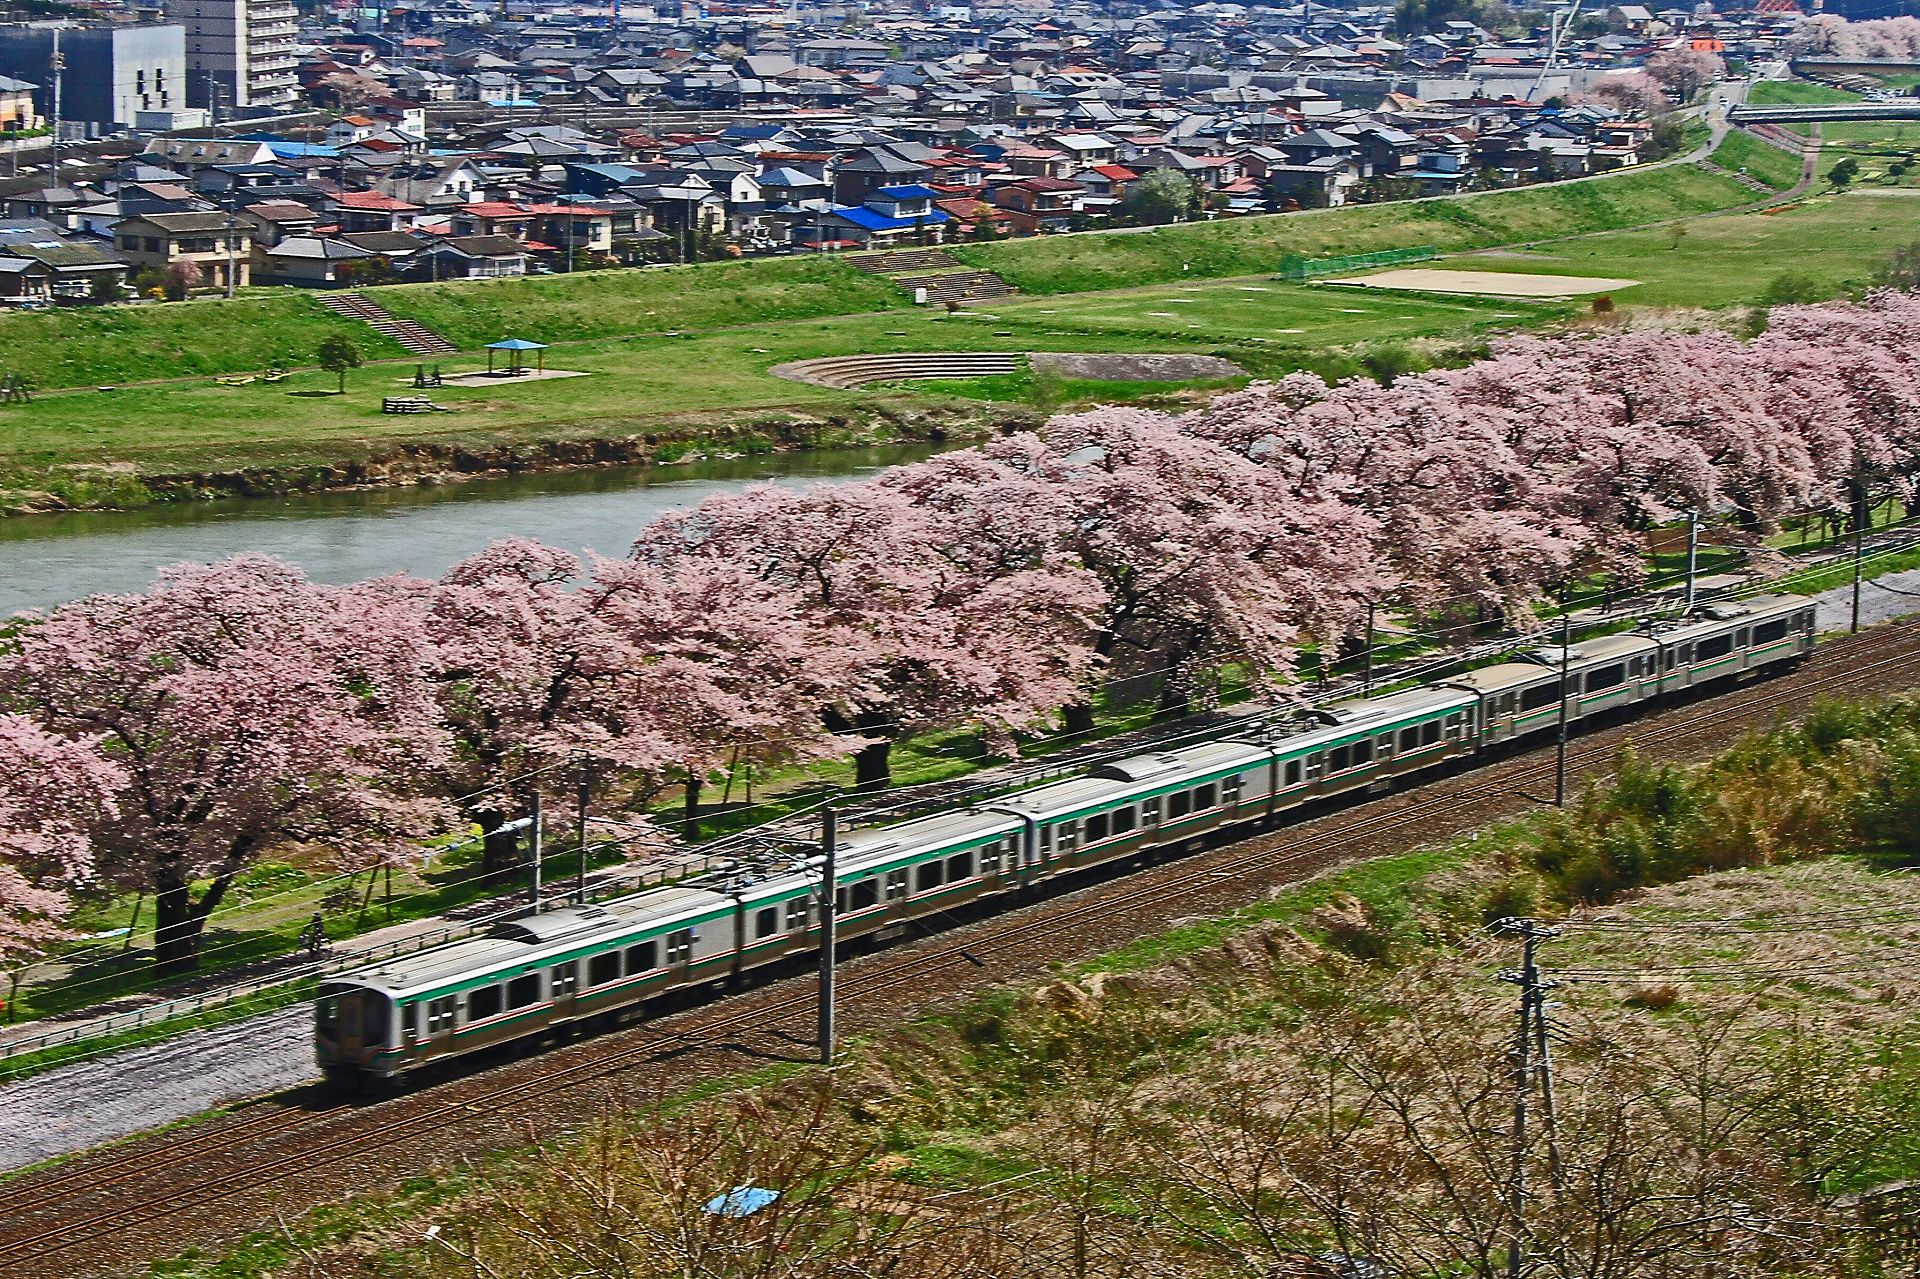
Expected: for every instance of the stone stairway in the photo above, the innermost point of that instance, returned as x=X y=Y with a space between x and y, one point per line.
x=417 y=338
x=895 y=261
x=1746 y=180
x=945 y=278
x=957 y=286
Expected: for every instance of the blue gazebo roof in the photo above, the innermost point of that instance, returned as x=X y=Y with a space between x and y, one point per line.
x=516 y=344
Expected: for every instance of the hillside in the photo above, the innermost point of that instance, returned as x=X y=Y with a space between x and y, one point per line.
x=1324 y=1073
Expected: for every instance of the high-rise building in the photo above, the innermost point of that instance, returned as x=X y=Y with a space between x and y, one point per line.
x=110 y=70
x=239 y=52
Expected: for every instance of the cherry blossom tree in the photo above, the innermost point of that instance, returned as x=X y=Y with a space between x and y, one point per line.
x=243 y=705
x=1204 y=556
x=51 y=791
x=1634 y=93
x=1684 y=70
x=921 y=634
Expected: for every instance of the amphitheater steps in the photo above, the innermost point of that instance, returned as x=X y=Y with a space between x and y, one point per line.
x=845 y=372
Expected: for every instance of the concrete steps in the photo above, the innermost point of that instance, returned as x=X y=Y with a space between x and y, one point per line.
x=415 y=337
x=957 y=286
x=845 y=372
x=894 y=261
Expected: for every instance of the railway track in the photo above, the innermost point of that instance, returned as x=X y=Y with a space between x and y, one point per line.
x=45 y=1220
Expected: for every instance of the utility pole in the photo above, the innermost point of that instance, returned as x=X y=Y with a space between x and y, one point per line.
x=829 y=921
x=1531 y=1036
x=58 y=65
x=1560 y=750
x=233 y=196
x=1366 y=671
x=580 y=825
x=1693 y=553
x=1860 y=509
x=534 y=841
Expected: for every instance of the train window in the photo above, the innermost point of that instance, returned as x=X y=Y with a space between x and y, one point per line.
x=1066 y=836
x=1096 y=827
x=1230 y=788
x=766 y=922
x=896 y=884
x=1540 y=695
x=796 y=913
x=1150 y=811
x=411 y=1018
x=990 y=858
x=1383 y=744
x=522 y=991
x=1715 y=646
x=1339 y=759
x=643 y=958
x=865 y=893
x=1179 y=804
x=959 y=867
x=1123 y=820
x=603 y=968
x=680 y=946
x=1768 y=632
x=1606 y=677
x=1363 y=752
x=374 y=1008
x=928 y=876
x=440 y=1014
x=326 y=1012
x=566 y=979
x=1410 y=738
x=1430 y=732
x=1740 y=640
x=1293 y=772
x=483 y=1003
x=1046 y=840
x=1204 y=796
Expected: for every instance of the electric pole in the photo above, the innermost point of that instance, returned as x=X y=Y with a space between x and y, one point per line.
x=534 y=842
x=1860 y=511
x=829 y=919
x=1560 y=749
x=1528 y=1056
x=1693 y=553
x=1366 y=671
x=580 y=825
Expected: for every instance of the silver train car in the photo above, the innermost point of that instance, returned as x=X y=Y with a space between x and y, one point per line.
x=606 y=962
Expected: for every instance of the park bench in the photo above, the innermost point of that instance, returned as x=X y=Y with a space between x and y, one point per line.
x=411 y=404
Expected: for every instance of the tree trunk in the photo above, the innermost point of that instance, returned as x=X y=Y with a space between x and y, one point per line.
x=872 y=766
x=690 y=820
x=500 y=851
x=1176 y=696
x=1077 y=718
x=179 y=923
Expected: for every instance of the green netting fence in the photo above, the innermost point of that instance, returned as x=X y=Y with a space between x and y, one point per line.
x=1299 y=268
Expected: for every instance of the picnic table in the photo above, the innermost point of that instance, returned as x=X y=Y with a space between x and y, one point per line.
x=411 y=404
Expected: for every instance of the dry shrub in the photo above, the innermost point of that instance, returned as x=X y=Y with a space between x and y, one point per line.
x=1653 y=998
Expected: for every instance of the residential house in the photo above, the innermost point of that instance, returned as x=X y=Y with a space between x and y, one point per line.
x=165 y=240
x=458 y=257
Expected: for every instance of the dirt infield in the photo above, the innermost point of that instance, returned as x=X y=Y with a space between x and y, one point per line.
x=1495 y=283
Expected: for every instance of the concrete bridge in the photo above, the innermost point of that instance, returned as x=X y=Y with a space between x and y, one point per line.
x=1853 y=66
x=1876 y=111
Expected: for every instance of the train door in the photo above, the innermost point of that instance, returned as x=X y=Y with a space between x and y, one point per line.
x=563 y=982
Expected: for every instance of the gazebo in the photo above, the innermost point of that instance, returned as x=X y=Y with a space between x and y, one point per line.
x=516 y=349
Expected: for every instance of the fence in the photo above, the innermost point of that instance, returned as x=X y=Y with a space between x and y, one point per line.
x=1298 y=268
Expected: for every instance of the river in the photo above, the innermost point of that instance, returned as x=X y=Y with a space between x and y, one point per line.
x=341 y=537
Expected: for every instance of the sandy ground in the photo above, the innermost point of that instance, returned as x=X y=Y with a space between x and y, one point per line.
x=1496 y=283
x=85 y=1105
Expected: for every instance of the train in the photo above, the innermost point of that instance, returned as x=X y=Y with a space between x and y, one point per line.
x=608 y=961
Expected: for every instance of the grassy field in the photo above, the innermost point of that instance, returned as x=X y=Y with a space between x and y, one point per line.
x=595 y=304
x=95 y=346
x=1250 y=246
x=1834 y=242
x=1261 y=309
x=1795 y=93
x=649 y=383
x=1770 y=164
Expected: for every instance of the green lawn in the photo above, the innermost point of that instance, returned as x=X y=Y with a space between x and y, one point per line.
x=1763 y=161
x=1251 y=246
x=1261 y=309
x=593 y=304
x=1795 y=93
x=1834 y=241
x=94 y=346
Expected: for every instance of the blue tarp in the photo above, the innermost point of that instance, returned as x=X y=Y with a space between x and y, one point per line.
x=741 y=1201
